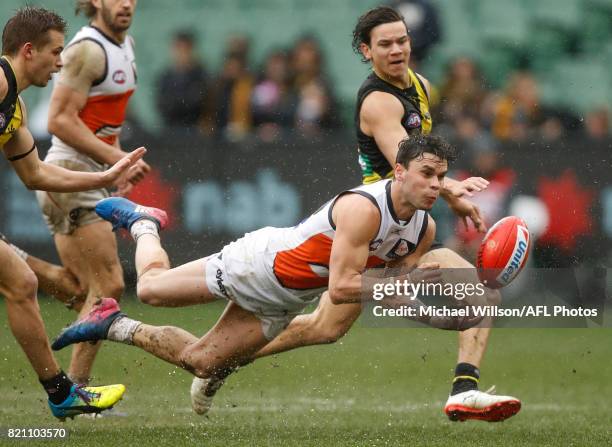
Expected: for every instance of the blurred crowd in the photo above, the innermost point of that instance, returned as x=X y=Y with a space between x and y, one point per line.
x=290 y=91
x=481 y=121
x=468 y=109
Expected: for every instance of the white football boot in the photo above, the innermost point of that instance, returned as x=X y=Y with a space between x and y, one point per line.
x=202 y=393
x=482 y=406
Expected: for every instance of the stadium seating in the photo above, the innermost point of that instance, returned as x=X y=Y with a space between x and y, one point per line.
x=564 y=14
x=503 y=24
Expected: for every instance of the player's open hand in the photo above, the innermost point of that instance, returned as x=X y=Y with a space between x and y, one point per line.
x=138 y=171
x=467 y=187
x=112 y=175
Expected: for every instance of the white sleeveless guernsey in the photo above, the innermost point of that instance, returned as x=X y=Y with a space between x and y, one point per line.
x=104 y=112
x=285 y=268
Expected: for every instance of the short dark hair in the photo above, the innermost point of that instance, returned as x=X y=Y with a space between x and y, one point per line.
x=30 y=24
x=414 y=146
x=368 y=21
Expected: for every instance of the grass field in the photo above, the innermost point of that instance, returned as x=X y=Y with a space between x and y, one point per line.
x=376 y=387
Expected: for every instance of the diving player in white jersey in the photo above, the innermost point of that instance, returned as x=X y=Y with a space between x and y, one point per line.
x=270 y=275
x=392 y=103
x=87 y=110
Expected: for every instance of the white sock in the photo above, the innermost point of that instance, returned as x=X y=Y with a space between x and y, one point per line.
x=144 y=226
x=122 y=330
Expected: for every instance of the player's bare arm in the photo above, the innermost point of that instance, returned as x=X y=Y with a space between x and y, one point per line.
x=357 y=221
x=3 y=86
x=37 y=175
x=380 y=118
x=84 y=63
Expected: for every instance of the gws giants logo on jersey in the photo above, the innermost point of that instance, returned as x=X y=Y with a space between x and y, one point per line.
x=413 y=121
x=401 y=248
x=119 y=77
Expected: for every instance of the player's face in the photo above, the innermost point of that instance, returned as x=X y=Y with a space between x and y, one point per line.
x=389 y=49
x=46 y=60
x=422 y=182
x=117 y=14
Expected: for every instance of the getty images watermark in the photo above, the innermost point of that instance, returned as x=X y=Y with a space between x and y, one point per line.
x=456 y=299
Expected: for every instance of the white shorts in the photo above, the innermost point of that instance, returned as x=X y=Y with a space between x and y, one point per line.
x=67 y=211
x=242 y=273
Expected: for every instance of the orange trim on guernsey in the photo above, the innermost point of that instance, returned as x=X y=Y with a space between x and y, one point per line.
x=105 y=111
x=293 y=267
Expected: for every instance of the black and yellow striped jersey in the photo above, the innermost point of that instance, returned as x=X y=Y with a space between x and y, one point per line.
x=416 y=119
x=11 y=115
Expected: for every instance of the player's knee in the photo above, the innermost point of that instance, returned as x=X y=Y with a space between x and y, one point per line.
x=146 y=291
x=330 y=335
x=23 y=288
x=330 y=331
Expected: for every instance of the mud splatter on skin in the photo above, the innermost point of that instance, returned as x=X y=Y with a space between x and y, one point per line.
x=166 y=342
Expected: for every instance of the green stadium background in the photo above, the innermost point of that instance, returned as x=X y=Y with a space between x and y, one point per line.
x=566 y=43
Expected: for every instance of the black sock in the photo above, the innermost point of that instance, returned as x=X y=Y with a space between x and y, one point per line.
x=58 y=387
x=466 y=378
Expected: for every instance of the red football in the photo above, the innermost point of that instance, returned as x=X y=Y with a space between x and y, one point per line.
x=503 y=252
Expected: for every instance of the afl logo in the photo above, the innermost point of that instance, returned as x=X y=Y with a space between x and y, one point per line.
x=413 y=121
x=2 y=121
x=119 y=77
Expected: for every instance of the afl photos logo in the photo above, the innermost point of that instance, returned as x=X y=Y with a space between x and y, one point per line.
x=119 y=77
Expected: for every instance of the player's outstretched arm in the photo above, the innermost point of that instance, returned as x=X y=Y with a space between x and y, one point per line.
x=357 y=221
x=455 y=188
x=38 y=175
x=381 y=117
